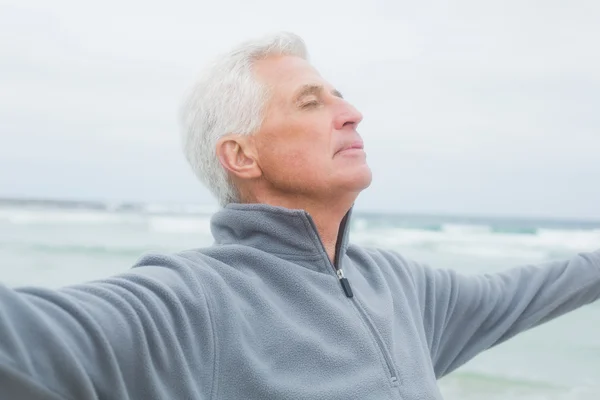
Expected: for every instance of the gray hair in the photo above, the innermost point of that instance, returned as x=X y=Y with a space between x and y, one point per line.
x=228 y=98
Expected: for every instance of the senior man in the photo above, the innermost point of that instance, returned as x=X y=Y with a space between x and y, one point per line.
x=282 y=306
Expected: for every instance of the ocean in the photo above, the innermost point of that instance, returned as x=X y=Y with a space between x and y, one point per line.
x=57 y=243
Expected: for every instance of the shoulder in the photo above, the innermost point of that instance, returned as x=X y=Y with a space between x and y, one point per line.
x=207 y=266
x=183 y=268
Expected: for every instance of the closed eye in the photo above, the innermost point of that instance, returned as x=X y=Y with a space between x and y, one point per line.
x=310 y=104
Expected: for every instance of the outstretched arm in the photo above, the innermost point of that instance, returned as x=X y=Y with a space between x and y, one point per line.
x=144 y=334
x=464 y=315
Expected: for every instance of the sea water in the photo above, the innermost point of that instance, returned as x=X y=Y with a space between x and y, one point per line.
x=60 y=243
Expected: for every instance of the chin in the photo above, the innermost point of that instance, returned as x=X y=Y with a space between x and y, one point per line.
x=359 y=179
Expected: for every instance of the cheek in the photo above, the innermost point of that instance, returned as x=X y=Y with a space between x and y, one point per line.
x=295 y=149
x=291 y=157
x=295 y=160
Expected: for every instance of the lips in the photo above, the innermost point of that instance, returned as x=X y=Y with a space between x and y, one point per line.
x=356 y=145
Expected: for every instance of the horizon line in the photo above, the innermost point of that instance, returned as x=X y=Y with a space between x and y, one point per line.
x=102 y=204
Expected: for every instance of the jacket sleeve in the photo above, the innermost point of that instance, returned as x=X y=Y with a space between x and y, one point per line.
x=144 y=334
x=464 y=315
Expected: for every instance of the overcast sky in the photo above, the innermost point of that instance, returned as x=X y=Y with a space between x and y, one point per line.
x=473 y=108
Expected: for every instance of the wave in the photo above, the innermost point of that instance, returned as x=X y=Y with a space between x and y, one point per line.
x=496 y=238
x=515 y=230
x=48 y=205
x=82 y=249
x=159 y=223
x=501 y=381
x=44 y=217
x=181 y=209
x=179 y=225
x=477 y=385
x=484 y=240
x=466 y=229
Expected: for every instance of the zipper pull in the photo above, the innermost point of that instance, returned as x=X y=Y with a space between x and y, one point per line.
x=345 y=283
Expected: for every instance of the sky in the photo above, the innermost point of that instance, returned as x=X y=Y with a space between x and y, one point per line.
x=470 y=107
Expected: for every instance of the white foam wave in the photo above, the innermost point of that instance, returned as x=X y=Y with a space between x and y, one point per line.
x=493 y=252
x=193 y=209
x=466 y=229
x=483 y=241
x=476 y=240
x=43 y=217
x=570 y=239
x=179 y=225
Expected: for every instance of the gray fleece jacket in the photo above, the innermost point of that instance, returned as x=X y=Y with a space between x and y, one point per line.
x=264 y=314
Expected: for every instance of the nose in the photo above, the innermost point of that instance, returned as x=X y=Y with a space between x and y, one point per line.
x=347 y=115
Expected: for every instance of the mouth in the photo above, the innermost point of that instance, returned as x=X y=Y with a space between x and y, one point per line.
x=356 y=146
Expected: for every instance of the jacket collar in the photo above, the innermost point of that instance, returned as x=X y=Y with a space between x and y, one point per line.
x=286 y=233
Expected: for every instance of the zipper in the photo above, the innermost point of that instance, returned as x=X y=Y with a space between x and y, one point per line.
x=348 y=291
x=345 y=283
x=379 y=340
x=338 y=246
x=336 y=262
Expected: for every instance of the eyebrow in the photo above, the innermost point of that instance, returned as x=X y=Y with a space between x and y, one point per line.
x=307 y=90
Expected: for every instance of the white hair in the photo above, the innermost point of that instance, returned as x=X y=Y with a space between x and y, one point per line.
x=228 y=98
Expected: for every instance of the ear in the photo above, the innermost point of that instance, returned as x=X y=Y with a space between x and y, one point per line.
x=238 y=156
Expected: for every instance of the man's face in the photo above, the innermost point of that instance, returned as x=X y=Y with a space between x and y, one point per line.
x=308 y=143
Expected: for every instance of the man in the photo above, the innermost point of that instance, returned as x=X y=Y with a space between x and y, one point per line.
x=281 y=306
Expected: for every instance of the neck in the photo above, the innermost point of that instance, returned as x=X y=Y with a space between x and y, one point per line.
x=328 y=223
x=327 y=216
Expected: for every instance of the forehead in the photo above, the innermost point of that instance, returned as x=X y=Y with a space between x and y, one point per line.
x=287 y=74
